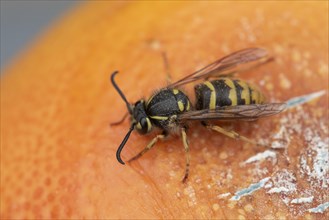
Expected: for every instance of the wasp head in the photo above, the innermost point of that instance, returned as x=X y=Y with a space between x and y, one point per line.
x=139 y=116
x=139 y=119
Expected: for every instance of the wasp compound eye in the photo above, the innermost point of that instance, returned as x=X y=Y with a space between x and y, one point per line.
x=144 y=125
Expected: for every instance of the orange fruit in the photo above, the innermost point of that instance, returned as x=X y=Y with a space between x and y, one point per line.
x=58 y=151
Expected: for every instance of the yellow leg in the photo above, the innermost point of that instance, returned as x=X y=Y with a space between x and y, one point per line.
x=187 y=153
x=232 y=134
x=148 y=147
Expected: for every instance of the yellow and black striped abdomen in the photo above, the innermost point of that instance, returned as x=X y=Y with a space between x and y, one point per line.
x=226 y=92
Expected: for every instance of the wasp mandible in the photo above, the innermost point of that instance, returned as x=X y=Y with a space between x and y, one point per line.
x=222 y=98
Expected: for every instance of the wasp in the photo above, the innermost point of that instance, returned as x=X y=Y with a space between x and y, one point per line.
x=222 y=98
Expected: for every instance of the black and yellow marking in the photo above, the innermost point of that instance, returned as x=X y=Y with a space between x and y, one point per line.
x=181 y=106
x=148 y=125
x=175 y=91
x=232 y=93
x=159 y=118
x=212 y=101
x=226 y=92
x=165 y=104
x=188 y=106
x=256 y=96
x=150 y=99
x=243 y=93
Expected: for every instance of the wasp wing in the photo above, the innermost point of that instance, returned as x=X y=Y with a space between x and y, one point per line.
x=238 y=112
x=224 y=65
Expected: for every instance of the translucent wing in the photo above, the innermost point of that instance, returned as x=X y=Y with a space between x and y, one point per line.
x=224 y=65
x=238 y=112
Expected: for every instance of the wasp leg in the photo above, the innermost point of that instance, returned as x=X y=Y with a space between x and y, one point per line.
x=232 y=134
x=187 y=153
x=121 y=120
x=166 y=66
x=149 y=146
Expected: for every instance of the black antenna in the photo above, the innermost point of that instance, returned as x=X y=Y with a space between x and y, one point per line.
x=123 y=143
x=120 y=92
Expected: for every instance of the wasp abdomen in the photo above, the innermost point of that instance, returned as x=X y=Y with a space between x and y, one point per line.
x=226 y=92
x=166 y=104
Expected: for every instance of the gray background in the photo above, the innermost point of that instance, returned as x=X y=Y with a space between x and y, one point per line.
x=22 y=20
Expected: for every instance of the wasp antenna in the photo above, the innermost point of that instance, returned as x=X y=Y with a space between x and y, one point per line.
x=119 y=91
x=123 y=144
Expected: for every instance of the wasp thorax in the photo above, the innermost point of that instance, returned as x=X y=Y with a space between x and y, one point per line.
x=139 y=116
